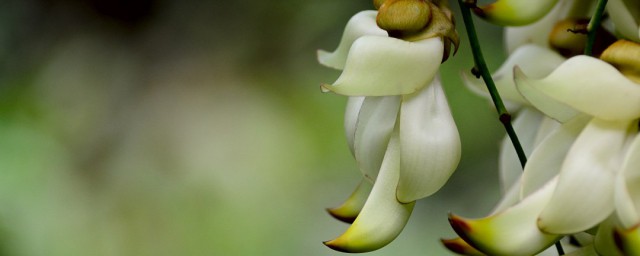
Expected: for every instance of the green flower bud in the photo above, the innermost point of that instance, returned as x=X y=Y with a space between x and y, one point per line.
x=400 y=17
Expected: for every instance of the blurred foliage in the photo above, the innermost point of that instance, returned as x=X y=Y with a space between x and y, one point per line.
x=158 y=127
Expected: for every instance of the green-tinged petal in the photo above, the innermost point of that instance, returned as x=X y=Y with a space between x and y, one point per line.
x=526 y=126
x=628 y=240
x=547 y=158
x=349 y=210
x=460 y=246
x=429 y=143
x=534 y=60
x=379 y=66
x=510 y=198
x=361 y=24
x=547 y=105
x=584 y=195
x=375 y=123
x=627 y=190
x=591 y=86
x=604 y=242
x=351 y=120
x=515 y=12
x=535 y=33
x=625 y=15
x=510 y=232
x=382 y=217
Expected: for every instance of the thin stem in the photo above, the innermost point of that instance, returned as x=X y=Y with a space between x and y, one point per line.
x=593 y=26
x=481 y=68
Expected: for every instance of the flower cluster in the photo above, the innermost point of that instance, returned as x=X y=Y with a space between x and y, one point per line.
x=398 y=122
x=579 y=119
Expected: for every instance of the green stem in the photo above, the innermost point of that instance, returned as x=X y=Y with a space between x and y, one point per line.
x=593 y=26
x=481 y=67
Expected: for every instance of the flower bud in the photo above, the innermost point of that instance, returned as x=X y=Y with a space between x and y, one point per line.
x=569 y=37
x=378 y=3
x=625 y=56
x=400 y=17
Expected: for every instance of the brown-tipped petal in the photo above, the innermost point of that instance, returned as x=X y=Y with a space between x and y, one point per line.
x=628 y=240
x=350 y=209
x=459 y=246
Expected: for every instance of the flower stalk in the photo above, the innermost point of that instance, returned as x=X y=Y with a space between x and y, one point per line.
x=593 y=26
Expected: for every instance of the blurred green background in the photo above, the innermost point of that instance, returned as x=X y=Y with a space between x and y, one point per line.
x=159 y=127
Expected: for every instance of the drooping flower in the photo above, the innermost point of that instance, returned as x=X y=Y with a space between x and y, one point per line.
x=398 y=122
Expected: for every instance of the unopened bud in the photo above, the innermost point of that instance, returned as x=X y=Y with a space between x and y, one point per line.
x=625 y=56
x=378 y=3
x=401 y=17
x=569 y=37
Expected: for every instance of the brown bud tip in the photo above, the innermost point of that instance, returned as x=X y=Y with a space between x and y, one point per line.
x=403 y=15
x=340 y=216
x=565 y=37
x=378 y=3
x=625 y=56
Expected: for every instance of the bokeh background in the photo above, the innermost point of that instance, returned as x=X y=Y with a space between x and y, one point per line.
x=159 y=127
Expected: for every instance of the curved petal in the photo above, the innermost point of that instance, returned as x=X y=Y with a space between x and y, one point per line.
x=349 y=210
x=429 y=143
x=361 y=24
x=536 y=61
x=526 y=126
x=547 y=105
x=379 y=66
x=627 y=194
x=584 y=195
x=382 y=218
x=515 y=12
x=351 y=120
x=591 y=86
x=626 y=17
x=460 y=246
x=511 y=232
x=375 y=123
x=628 y=240
x=546 y=160
x=603 y=242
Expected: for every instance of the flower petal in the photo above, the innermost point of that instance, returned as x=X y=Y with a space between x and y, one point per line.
x=379 y=66
x=349 y=210
x=546 y=159
x=583 y=197
x=536 y=61
x=626 y=16
x=547 y=105
x=589 y=85
x=460 y=246
x=373 y=130
x=512 y=231
x=382 y=217
x=537 y=32
x=526 y=126
x=351 y=114
x=361 y=24
x=627 y=194
x=603 y=242
x=515 y=12
x=429 y=143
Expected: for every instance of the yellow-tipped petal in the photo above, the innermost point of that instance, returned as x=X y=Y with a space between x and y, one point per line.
x=361 y=24
x=589 y=85
x=459 y=246
x=628 y=240
x=351 y=113
x=380 y=66
x=382 y=218
x=349 y=210
x=585 y=191
x=625 y=15
x=429 y=143
x=515 y=12
x=546 y=159
x=376 y=122
x=510 y=232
